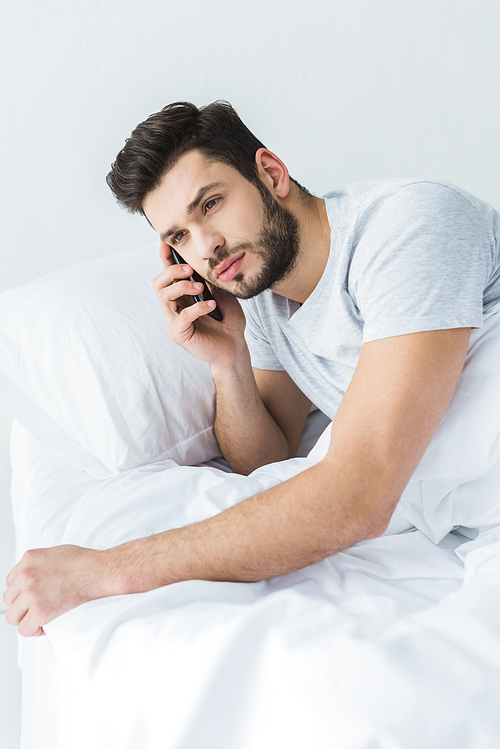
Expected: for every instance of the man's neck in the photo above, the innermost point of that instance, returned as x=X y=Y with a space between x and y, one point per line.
x=311 y=262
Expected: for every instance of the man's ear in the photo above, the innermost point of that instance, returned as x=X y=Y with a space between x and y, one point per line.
x=273 y=172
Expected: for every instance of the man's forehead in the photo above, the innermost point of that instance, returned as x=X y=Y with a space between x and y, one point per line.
x=192 y=170
x=181 y=190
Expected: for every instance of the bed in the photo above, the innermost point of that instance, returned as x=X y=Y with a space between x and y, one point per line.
x=392 y=644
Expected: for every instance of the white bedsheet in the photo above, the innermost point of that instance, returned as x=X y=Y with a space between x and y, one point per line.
x=392 y=644
x=379 y=646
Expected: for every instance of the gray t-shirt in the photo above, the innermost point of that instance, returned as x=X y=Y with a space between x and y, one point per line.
x=405 y=256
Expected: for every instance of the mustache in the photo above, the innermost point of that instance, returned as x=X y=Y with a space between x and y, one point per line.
x=227 y=252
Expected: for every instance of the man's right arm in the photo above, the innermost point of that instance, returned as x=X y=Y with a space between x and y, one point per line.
x=259 y=414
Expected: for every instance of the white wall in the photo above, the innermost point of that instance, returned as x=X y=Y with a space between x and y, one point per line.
x=7 y=542
x=342 y=90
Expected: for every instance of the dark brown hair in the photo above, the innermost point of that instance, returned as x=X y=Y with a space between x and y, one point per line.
x=157 y=143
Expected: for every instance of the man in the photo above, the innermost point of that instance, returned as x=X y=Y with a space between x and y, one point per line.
x=361 y=303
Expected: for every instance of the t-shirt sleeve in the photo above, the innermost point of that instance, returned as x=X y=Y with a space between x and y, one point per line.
x=421 y=262
x=261 y=351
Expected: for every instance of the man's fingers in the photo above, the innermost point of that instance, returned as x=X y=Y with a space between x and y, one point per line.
x=29 y=627
x=12 y=574
x=10 y=595
x=170 y=275
x=176 y=291
x=17 y=612
x=189 y=314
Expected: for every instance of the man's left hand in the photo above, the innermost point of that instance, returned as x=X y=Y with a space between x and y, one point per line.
x=47 y=582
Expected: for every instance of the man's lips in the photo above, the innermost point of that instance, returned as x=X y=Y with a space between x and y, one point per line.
x=229 y=268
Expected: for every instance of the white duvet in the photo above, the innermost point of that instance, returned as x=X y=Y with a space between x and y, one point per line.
x=392 y=644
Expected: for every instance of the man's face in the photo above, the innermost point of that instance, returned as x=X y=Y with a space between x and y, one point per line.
x=235 y=234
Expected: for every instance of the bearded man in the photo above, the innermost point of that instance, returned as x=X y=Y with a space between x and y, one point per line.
x=360 y=302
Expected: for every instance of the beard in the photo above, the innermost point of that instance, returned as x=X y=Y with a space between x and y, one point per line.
x=278 y=245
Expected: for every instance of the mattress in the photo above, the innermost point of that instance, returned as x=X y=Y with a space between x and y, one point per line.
x=394 y=643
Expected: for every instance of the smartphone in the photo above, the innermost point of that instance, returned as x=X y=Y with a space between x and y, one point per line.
x=204 y=295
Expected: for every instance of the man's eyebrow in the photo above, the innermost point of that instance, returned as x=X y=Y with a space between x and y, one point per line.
x=201 y=194
x=192 y=207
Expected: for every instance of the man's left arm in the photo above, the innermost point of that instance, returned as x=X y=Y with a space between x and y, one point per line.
x=396 y=400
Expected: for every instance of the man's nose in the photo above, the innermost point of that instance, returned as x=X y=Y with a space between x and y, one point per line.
x=208 y=244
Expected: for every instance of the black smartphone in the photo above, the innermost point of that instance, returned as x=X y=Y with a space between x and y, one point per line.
x=204 y=295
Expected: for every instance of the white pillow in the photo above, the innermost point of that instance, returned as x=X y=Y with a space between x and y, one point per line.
x=87 y=365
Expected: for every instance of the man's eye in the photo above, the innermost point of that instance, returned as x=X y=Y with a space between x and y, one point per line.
x=211 y=203
x=177 y=237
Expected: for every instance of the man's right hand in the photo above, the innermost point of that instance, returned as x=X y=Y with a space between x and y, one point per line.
x=188 y=323
x=255 y=423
